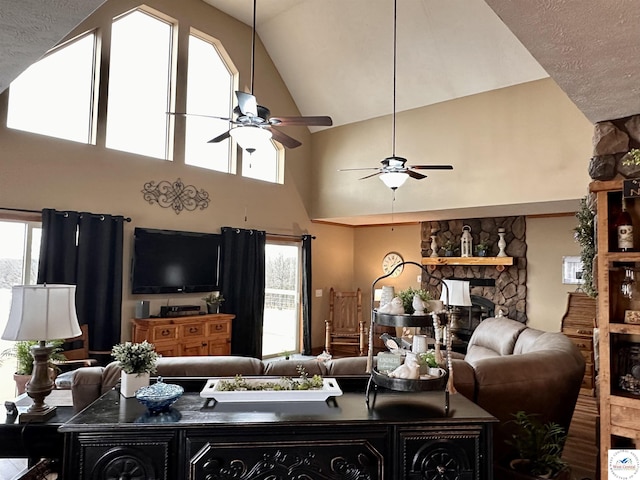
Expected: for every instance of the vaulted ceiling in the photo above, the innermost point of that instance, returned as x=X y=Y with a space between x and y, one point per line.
x=335 y=56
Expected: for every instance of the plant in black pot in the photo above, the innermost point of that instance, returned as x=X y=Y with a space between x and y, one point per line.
x=482 y=249
x=213 y=301
x=538 y=448
x=449 y=249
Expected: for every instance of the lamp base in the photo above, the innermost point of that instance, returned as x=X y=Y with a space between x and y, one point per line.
x=39 y=416
x=39 y=386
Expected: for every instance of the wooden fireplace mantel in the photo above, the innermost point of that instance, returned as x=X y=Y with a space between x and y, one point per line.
x=499 y=262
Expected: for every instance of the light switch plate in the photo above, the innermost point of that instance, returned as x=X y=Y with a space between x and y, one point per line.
x=319 y=292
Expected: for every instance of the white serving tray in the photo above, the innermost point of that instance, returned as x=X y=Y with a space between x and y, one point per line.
x=330 y=388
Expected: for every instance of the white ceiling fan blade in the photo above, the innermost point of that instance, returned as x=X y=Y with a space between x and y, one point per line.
x=247 y=104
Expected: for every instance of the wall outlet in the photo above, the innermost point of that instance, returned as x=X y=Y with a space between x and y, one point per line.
x=419 y=278
x=319 y=292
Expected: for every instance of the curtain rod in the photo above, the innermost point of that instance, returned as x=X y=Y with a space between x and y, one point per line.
x=126 y=219
x=288 y=236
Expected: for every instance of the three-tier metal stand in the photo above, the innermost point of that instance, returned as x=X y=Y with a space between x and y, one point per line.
x=378 y=379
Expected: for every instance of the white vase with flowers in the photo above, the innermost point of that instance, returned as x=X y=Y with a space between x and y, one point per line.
x=138 y=362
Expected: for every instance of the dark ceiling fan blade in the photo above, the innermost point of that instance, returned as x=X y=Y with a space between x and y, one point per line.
x=432 y=167
x=369 y=176
x=320 y=121
x=199 y=115
x=220 y=137
x=354 y=169
x=247 y=103
x=416 y=175
x=284 y=139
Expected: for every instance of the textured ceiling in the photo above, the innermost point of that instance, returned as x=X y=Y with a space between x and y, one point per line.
x=591 y=48
x=28 y=28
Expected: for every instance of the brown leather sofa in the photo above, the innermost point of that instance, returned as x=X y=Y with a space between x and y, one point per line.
x=90 y=383
x=508 y=367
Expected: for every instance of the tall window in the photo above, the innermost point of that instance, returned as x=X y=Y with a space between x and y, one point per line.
x=139 y=85
x=281 y=328
x=209 y=92
x=54 y=96
x=264 y=164
x=19 y=254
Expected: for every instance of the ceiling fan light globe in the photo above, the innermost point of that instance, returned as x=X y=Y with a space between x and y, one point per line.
x=250 y=137
x=394 y=180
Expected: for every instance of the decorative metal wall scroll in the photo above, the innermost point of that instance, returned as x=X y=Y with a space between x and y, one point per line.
x=175 y=195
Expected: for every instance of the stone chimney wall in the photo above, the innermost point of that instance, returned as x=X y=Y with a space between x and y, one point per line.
x=510 y=290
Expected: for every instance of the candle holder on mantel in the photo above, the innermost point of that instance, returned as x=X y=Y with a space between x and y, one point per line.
x=502 y=244
x=434 y=243
x=466 y=242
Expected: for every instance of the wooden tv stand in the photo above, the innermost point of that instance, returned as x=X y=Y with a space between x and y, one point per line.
x=182 y=336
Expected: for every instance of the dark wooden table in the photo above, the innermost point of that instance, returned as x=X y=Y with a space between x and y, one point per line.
x=35 y=440
x=403 y=436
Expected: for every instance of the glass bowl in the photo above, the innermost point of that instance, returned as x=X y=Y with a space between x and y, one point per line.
x=160 y=396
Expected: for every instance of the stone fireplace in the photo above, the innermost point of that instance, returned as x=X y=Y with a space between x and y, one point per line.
x=507 y=289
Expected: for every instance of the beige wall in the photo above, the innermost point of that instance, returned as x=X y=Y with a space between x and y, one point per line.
x=548 y=240
x=518 y=145
x=372 y=244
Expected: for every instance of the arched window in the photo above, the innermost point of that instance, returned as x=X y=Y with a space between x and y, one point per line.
x=55 y=95
x=139 y=85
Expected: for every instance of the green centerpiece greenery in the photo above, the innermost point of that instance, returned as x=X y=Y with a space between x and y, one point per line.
x=303 y=382
x=136 y=357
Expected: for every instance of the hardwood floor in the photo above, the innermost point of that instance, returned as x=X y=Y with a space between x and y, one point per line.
x=581 y=448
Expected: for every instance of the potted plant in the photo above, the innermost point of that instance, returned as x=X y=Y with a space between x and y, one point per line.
x=407 y=298
x=137 y=361
x=538 y=447
x=449 y=248
x=21 y=351
x=213 y=301
x=482 y=249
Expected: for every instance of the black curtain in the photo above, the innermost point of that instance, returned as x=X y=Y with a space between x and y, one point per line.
x=85 y=249
x=306 y=294
x=243 y=283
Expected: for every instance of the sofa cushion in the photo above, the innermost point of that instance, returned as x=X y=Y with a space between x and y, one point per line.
x=204 y=366
x=526 y=340
x=493 y=334
x=348 y=366
x=289 y=368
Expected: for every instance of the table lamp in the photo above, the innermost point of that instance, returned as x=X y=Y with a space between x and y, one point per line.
x=458 y=297
x=41 y=313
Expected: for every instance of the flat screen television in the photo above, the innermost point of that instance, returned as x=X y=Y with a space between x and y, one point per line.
x=171 y=261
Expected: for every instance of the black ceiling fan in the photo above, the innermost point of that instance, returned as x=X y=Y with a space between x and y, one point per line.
x=248 y=114
x=395 y=164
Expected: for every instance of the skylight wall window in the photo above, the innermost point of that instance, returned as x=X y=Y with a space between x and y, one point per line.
x=210 y=89
x=139 y=85
x=54 y=96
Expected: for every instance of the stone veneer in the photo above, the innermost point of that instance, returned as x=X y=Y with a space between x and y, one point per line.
x=510 y=291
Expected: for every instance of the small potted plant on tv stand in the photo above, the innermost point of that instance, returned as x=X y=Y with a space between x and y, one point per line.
x=213 y=301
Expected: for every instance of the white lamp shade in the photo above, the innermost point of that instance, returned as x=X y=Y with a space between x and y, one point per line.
x=394 y=180
x=458 y=293
x=42 y=312
x=250 y=136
